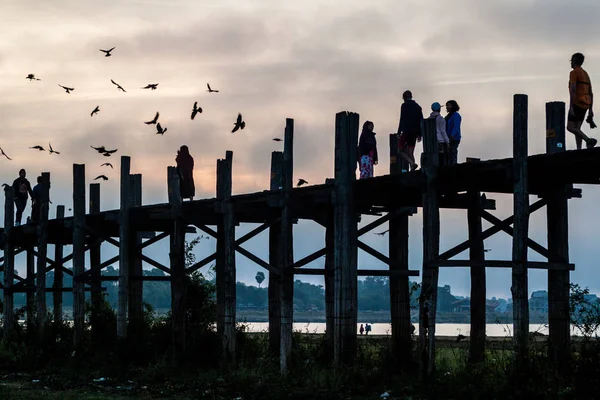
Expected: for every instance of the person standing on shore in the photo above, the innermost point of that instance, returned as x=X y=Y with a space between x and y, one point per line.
x=362 y=329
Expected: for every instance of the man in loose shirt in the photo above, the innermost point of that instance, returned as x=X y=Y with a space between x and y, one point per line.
x=581 y=101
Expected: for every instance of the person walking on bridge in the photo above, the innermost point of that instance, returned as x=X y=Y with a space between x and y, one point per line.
x=21 y=187
x=367 y=150
x=581 y=100
x=409 y=128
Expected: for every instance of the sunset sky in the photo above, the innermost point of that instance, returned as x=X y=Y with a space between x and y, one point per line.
x=273 y=60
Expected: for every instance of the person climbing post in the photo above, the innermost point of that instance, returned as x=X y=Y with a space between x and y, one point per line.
x=21 y=189
x=440 y=124
x=409 y=128
x=367 y=150
x=185 y=168
x=453 y=122
x=581 y=100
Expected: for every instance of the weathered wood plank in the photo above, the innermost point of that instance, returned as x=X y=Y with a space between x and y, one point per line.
x=431 y=243
x=57 y=284
x=124 y=248
x=558 y=246
x=345 y=238
x=95 y=261
x=285 y=252
x=329 y=285
x=78 y=253
x=42 y=248
x=501 y=264
x=30 y=281
x=478 y=282
x=398 y=262
x=521 y=230
x=136 y=286
x=225 y=263
x=274 y=287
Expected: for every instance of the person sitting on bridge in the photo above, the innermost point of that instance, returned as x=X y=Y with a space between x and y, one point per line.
x=409 y=128
x=21 y=187
x=581 y=99
x=185 y=168
x=440 y=124
x=367 y=150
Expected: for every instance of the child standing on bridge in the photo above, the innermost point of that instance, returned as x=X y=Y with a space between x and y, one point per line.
x=367 y=150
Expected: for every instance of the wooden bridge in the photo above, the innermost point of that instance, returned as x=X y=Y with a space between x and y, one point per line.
x=336 y=205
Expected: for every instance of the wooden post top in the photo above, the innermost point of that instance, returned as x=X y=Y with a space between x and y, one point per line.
x=555 y=127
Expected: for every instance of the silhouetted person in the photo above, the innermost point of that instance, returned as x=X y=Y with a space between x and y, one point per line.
x=367 y=150
x=409 y=128
x=185 y=167
x=36 y=201
x=581 y=99
x=453 y=121
x=442 y=138
x=362 y=329
x=21 y=188
x=367 y=329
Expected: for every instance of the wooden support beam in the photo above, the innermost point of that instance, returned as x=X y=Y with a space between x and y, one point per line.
x=95 y=261
x=398 y=262
x=488 y=232
x=57 y=284
x=371 y=251
x=255 y=232
x=402 y=211
x=329 y=286
x=359 y=272
x=311 y=257
x=558 y=246
x=431 y=243
x=275 y=279
x=155 y=264
x=257 y=260
x=30 y=296
x=155 y=239
x=125 y=244
x=42 y=248
x=136 y=286
x=521 y=230
x=177 y=270
x=195 y=267
x=225 y=263
x=501 y=264
x=345 y=238
x=478 y=282
x=78 y=253
x=285 y=252
x=207 y=230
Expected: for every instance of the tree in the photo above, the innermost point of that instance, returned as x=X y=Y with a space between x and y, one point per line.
x=260 y=277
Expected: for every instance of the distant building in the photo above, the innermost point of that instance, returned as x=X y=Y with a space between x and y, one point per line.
x=539 y=301
x=464 y=306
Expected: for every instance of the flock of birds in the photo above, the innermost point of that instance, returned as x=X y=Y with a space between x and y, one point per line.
x=239 y=123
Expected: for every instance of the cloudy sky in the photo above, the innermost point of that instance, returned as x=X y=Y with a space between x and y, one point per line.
x=272 y=60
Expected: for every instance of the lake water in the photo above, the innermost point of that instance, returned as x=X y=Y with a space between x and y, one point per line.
x=497 y=330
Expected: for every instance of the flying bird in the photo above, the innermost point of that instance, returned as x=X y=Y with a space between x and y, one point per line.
x=103 y=177
x=107 y=164
x=239 y=124
x=381 y=233
x=211 y=90
x=301 y=182
x=95 y=111
x=107 y=153
x=32 y=77
x=151 y=86
x=196 y=110
x=40 y=148
x=107 y=52
x=119 y=87
x=160 y=130
x=100 y=149
x=154 y=120
x=68 y=89
x=2 y=153
x=51 y=150
x=277 y=139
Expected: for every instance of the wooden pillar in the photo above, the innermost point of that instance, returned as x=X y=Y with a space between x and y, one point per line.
x=275 y=280
x=285 y=253
x=399 y=285
x=42 y=249
x=57 y=284
x=329 y=285
x=478 y=282
x=225 y=262
x=558 y=245
x=345 y=238
x=177 y=266
x=124 y=248
x=431 y=244
x=78 y=253
x=136 y=285
x=521 y=231
x=95 y=261
x=9 y=263
x=31 y=283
